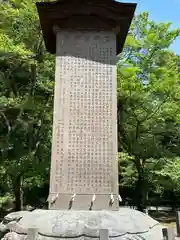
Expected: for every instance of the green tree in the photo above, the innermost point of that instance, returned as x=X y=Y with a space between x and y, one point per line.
x=26 y=86
x=148 y=98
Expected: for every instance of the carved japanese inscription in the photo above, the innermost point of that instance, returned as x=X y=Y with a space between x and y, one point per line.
x=84 y=129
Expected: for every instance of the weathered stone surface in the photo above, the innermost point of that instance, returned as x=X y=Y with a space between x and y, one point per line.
x=11 y=236
x=84 y=144
x=122 y=225
x=3 y=227
x=15 y=215
x=3 y=230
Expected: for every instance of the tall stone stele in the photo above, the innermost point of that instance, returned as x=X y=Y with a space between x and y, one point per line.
x=86 y=36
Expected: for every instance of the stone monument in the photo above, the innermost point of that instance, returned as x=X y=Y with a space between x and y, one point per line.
x=86 y=36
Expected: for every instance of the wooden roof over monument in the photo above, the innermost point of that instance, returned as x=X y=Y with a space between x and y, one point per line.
x=100 y=15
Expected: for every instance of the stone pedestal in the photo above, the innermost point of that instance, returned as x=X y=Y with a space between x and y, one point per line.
x=125 y=224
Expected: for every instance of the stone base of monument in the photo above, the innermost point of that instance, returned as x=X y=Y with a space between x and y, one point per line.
x=55 y=224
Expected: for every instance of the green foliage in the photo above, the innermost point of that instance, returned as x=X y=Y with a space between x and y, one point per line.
x=148 y=104
x=128 y=176
x=5 y=201
x=26 y=86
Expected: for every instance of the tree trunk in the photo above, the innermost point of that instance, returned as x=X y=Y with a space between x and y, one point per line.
x=139 y=192
x=173 y=201
x=141 y=187
x=16 y=183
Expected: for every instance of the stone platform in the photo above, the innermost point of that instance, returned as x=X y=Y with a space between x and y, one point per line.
x=53 y=224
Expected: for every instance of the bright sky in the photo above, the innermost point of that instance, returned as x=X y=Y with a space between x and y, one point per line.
x=161 y=11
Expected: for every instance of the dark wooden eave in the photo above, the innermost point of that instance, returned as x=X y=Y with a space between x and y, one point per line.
x=85 y=15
